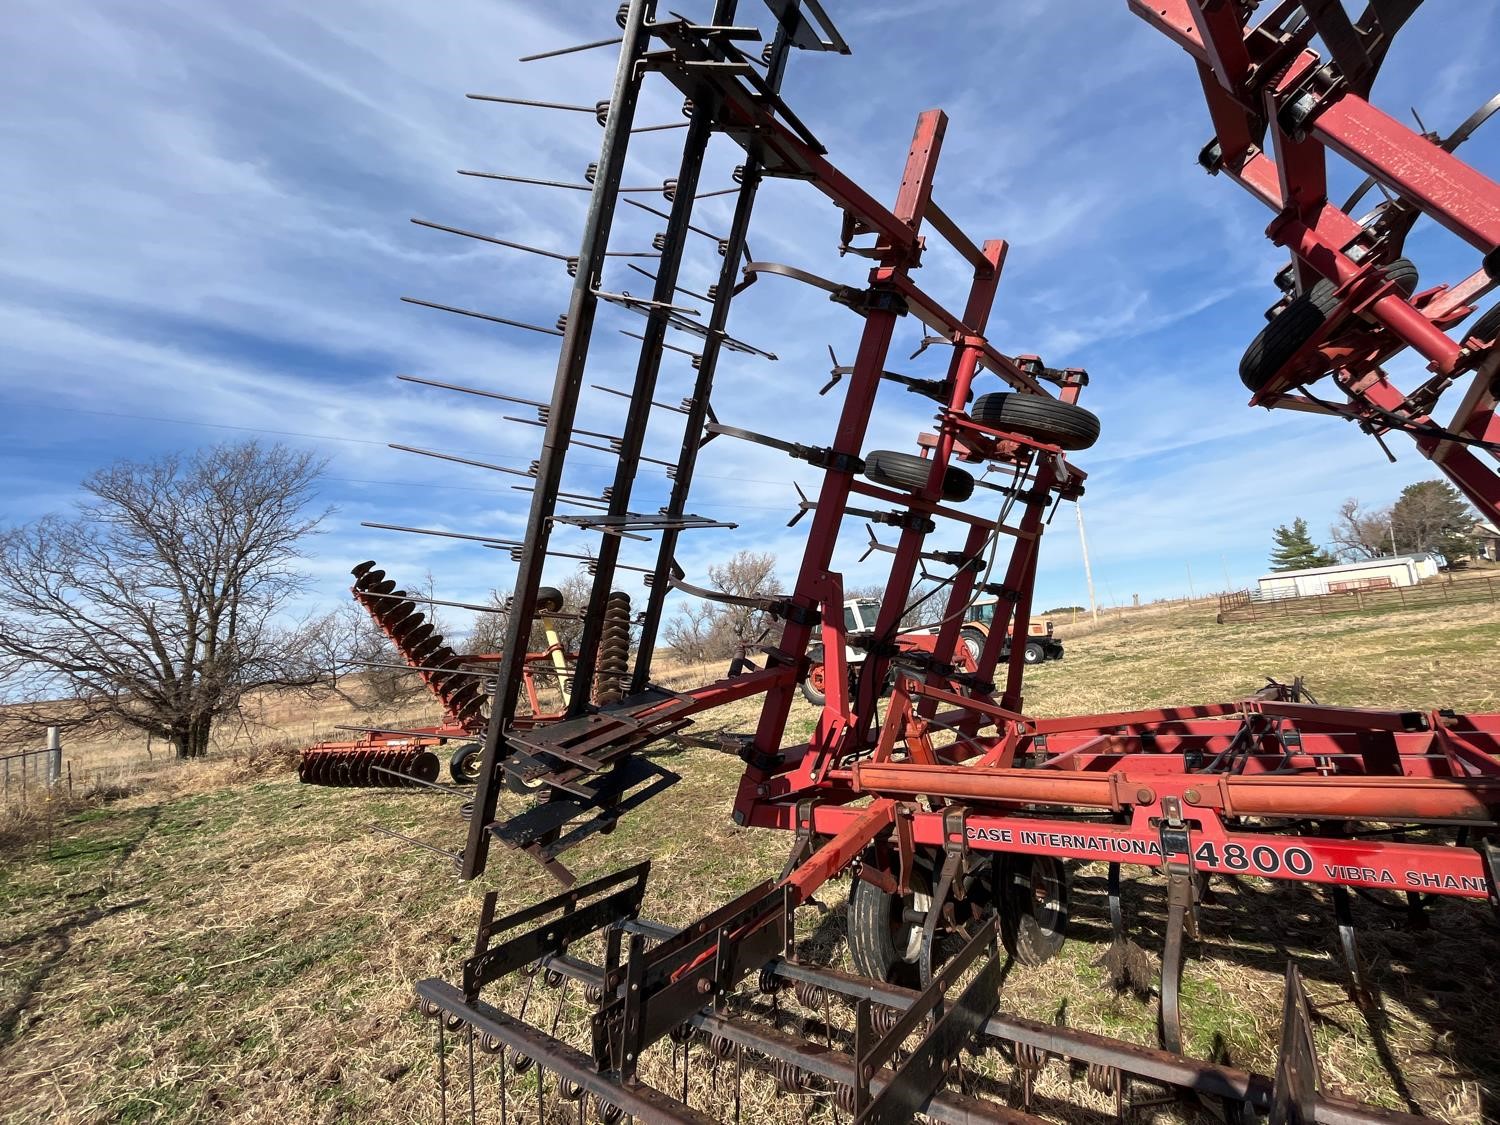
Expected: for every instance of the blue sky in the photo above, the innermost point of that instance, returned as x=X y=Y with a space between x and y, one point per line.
x=206 y=237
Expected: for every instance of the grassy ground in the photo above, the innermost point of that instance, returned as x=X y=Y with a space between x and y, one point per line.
x=224 y=944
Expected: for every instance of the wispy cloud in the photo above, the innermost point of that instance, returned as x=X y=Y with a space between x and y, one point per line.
x=206 y=227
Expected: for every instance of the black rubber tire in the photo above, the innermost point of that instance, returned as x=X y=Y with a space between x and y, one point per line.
x=973 y=640
x=874 y=933
x=1034 y=893
x=810 y=693
x=463 y=766
x=549 y=599
x=1035 y=653
x=1487 y=327
x=909 y=473
x=1040 y=417
x=1294 y=325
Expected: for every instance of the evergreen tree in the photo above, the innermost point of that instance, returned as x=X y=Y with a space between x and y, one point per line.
x=1432 y=515
x=1295 y=549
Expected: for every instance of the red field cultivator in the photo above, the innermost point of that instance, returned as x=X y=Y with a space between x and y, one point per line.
x=957 y=819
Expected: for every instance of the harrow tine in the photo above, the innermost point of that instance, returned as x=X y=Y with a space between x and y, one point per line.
x=414 y=842
x=545 y=331
x=459 y=460
x=432 y=531
x=626 y=394
x=470 y=390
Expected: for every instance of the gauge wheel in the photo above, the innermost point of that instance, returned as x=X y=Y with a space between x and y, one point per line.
x=1286 y=332
x=1034 y=653
x=909 y=473
x=885 y=935
x=463 y=766
x=1040 y=417
x=1033 y=893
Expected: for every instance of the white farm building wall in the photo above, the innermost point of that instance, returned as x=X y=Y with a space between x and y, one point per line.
x=1386 y=573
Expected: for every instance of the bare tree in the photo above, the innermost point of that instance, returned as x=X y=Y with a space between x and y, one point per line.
x=714 y=630
x=488 y=634
x=1358 y=534
x=354 y=658
x=159 y=604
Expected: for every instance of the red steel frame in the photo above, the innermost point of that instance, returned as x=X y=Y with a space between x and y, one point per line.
x=1349 y=765
x=1263 y=81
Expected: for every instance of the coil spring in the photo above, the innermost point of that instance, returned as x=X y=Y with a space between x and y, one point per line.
x=553 y=978
x=1104 y=1078
x=429 y=1008
x=1030 y=1057
x=843 y=1097
x=489 y=1044
x=808 y=994
x=606 y=1112
x=594 y=993
x=882 y=1019
x=790 y=1078
x=568 y=1090
x=721 y=1046
x=769 y=982
x=521 y=1063
x=614 y=649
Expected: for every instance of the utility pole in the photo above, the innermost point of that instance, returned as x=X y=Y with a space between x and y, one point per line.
x=1391 y=527
x=1088 y=573
x=1224 y=562
x=1192 y=595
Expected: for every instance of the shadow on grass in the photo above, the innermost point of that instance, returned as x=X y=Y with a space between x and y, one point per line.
x=1443 y=975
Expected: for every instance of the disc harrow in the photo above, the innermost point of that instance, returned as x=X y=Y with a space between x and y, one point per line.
x=957 y=820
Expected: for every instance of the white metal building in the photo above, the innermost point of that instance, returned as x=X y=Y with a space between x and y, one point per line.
x=1368 y=574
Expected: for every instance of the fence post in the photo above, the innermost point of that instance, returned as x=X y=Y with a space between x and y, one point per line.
x=54 y=756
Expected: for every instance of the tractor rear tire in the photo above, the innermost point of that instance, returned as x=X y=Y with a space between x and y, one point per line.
x=973 y=640
x=1040 y=417
x=909 y=473
x=1294 y=325
x=810 y=693
x=1033 y=893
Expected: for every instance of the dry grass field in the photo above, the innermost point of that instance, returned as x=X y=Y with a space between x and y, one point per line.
x=215 y=942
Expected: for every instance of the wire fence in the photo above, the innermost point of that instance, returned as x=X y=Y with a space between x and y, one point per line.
x=24 y=773
x=1244 y=605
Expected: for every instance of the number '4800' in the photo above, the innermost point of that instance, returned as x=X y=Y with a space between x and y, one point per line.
x=1261 y=858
